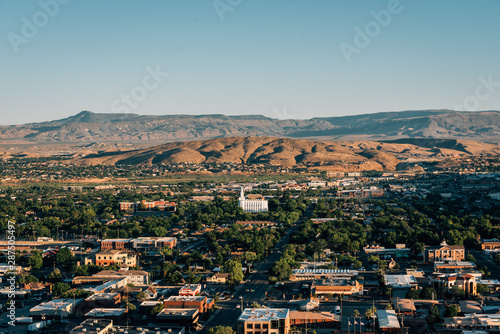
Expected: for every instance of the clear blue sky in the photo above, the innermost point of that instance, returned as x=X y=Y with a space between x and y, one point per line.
x=279 y=58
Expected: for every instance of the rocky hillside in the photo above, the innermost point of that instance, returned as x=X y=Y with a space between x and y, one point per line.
x=131 y=128
x=333 y=155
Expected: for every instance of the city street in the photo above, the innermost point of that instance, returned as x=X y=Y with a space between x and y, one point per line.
x=255 y=286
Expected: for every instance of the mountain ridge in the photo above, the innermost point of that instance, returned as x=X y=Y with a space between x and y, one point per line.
x=88 y=126
x=287 y=152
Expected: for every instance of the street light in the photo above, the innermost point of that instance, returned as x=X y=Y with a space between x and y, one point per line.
x=241 y=298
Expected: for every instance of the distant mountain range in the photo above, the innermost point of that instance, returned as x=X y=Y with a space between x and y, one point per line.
x=88 y=127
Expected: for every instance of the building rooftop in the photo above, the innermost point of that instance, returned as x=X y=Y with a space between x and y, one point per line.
x=56 y=304
x=191 y=286
x=186 y=298
x=116 y=240
x=264 y=314
x=93 y=326
x=106 y=312
x=150 y=303
x=388 y=319
x=101 y=326
x=399 y=281
x=325 y=271
x=178 y=312
x=102 y=296
x=454 y=264
x=315 y=316
x=474 y=321
x=102 y=287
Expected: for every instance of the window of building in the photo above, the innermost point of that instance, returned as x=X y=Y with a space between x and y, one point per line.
x=257 y=326
x=249 y=326
x=274 y=324
x=265 y=326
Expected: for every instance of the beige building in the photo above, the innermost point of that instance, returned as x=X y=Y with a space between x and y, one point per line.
x=264 y=321
x=114 y=256
x=217 y=278
x=444 y=252
x=490 y=244
x=467 y=282
x=336 y=287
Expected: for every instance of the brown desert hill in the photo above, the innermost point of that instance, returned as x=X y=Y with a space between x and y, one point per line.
x=286 y=152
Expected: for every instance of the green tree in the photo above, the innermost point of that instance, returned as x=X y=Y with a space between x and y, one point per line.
x=428 y=293
x=370 y=312
x=457 y=292
x=36 y=260
x=64 y=255
x=234 y=270
x=483 y=289
x=434 y=311
x=470 y=258
x=141 y=296
x=281 y=269
x=55 y=275
x=131 y=307
x=157 y=309
x=81 y=270
x=221 y=330
x=31 y=279
x=413 y=294
x=388 y=306
x=357 y=264
x=255 y=305
x=60 y=288
x=452 y=311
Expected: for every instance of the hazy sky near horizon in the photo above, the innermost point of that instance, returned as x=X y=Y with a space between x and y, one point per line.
x=281 y=59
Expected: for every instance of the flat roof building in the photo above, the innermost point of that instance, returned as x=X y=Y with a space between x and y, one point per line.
x=190 y=290
x=199 y=302
x=400 y=281
x=56 y=308
x=93 y=326
x=107 y=326
x=388 y=321
x=336 y=287
x=103 y=300
x=186 y=317
x=116 y=314
x=315 y=319
x=264 y=320
x=310 y=274
x=477 y=322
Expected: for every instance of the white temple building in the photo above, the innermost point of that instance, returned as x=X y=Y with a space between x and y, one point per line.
x=252 y=205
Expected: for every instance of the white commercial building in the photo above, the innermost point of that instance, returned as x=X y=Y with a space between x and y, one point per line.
x=56 y=308
x=252 y=205
x=400 y=281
